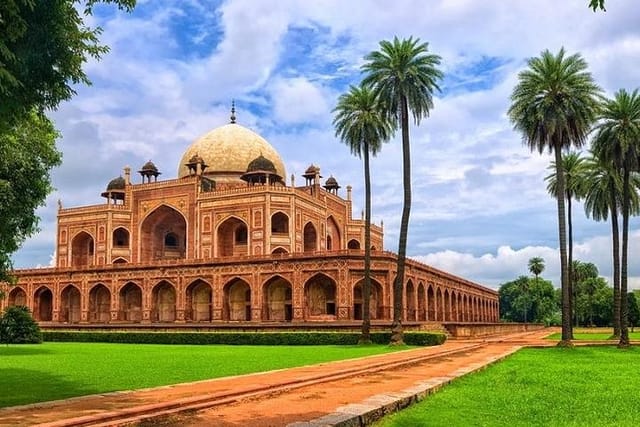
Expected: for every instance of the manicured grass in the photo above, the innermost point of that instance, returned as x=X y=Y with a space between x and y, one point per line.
x=49 y=371
x=582 y=386
x=593 y=334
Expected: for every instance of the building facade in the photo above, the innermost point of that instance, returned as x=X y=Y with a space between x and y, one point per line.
x=230 y=240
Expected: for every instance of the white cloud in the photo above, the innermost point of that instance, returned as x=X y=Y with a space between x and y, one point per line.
x=297 y=100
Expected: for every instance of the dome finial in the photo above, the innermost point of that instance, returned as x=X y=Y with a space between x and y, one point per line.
x=233 y=111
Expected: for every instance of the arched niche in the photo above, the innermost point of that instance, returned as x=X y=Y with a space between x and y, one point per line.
x=320 y=296
x=277 y=303
x=70 y=311
x=237 y=300
x=82 y=249
x=199 y=301
x=232 y=238
x=310 y=238
x=163 y=235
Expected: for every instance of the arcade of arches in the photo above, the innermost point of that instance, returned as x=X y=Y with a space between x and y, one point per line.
x=231 y=239
x=295 y=292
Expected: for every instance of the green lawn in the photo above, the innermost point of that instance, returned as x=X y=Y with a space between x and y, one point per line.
x=593 y=336
x=582 y=386
x=49 y=371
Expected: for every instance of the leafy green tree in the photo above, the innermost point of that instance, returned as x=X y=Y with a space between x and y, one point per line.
x=634 y=310
x=617 y=141
x=554 y=105
x=403 y=76
x=573 y=170
x=360 y=125
x=43 y=46
x=597 y=4
x=538 y=301
x=18 y=327
x=27 y=155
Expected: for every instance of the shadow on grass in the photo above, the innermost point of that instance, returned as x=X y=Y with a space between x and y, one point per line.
x=24 y=386
x=22 y=350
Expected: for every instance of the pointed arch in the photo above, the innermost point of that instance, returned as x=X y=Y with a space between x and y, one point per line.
x=376 y=303
x=277 y=294
x=279 y=251
x=130 y=303
x=431 y=304
x=439 y=305
x=199 y=301
x=163 y=296
x=422 y=311
x=120 y=260
x=334 y=240
x=70 y=311
x=120 y=237
x=43 y=304
x=279 y=223
x=232 y=237
x=99 y=304
x=410 y=298
x=310 y=238
x=163 y=234
x=320 y=296
x=82 y=249
x=17 y=297
x=237 y=300
x=353 y=244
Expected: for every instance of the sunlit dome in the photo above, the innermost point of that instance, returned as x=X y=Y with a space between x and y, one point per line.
x=228 y=150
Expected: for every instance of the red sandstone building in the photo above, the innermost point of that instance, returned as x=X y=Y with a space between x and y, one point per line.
x=229 y=241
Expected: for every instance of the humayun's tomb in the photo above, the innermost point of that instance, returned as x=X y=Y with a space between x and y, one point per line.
x=229 y=241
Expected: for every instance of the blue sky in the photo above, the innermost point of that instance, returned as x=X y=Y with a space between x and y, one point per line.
x=480 y=204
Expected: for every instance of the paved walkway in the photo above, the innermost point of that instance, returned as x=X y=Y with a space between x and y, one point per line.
x=347 y=392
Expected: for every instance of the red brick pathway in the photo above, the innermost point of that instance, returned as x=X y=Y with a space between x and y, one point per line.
x=327 y=392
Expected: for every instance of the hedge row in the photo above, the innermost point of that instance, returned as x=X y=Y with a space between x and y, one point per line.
x=240 y=338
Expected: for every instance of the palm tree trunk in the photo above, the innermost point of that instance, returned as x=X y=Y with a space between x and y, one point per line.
x=624 y=307
x=365 y=338
x=562 y=238
x=616 y=263
x=570 y=274
x=398 y=285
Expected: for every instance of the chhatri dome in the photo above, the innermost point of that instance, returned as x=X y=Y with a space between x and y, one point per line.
x=228 y=150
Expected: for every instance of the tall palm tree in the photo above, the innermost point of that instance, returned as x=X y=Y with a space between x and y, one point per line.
x=554 y=105
x=360 y=125
x=404 y=76
x=573 y=170
x=603 y=198
x=536 y=266
x=617 y=140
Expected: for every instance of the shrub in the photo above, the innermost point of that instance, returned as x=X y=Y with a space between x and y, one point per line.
x=241 y=338
x=18 y=327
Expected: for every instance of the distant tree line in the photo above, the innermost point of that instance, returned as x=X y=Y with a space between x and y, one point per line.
x=533 y=299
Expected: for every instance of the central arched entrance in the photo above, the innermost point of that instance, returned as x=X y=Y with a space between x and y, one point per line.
x=70 y=305
x=320 y=297
x=99 y=304
x=164 y=302
x=131 y=303
x=199 y=299
x=277 y=294
x=163 y=235
x=237 y=297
